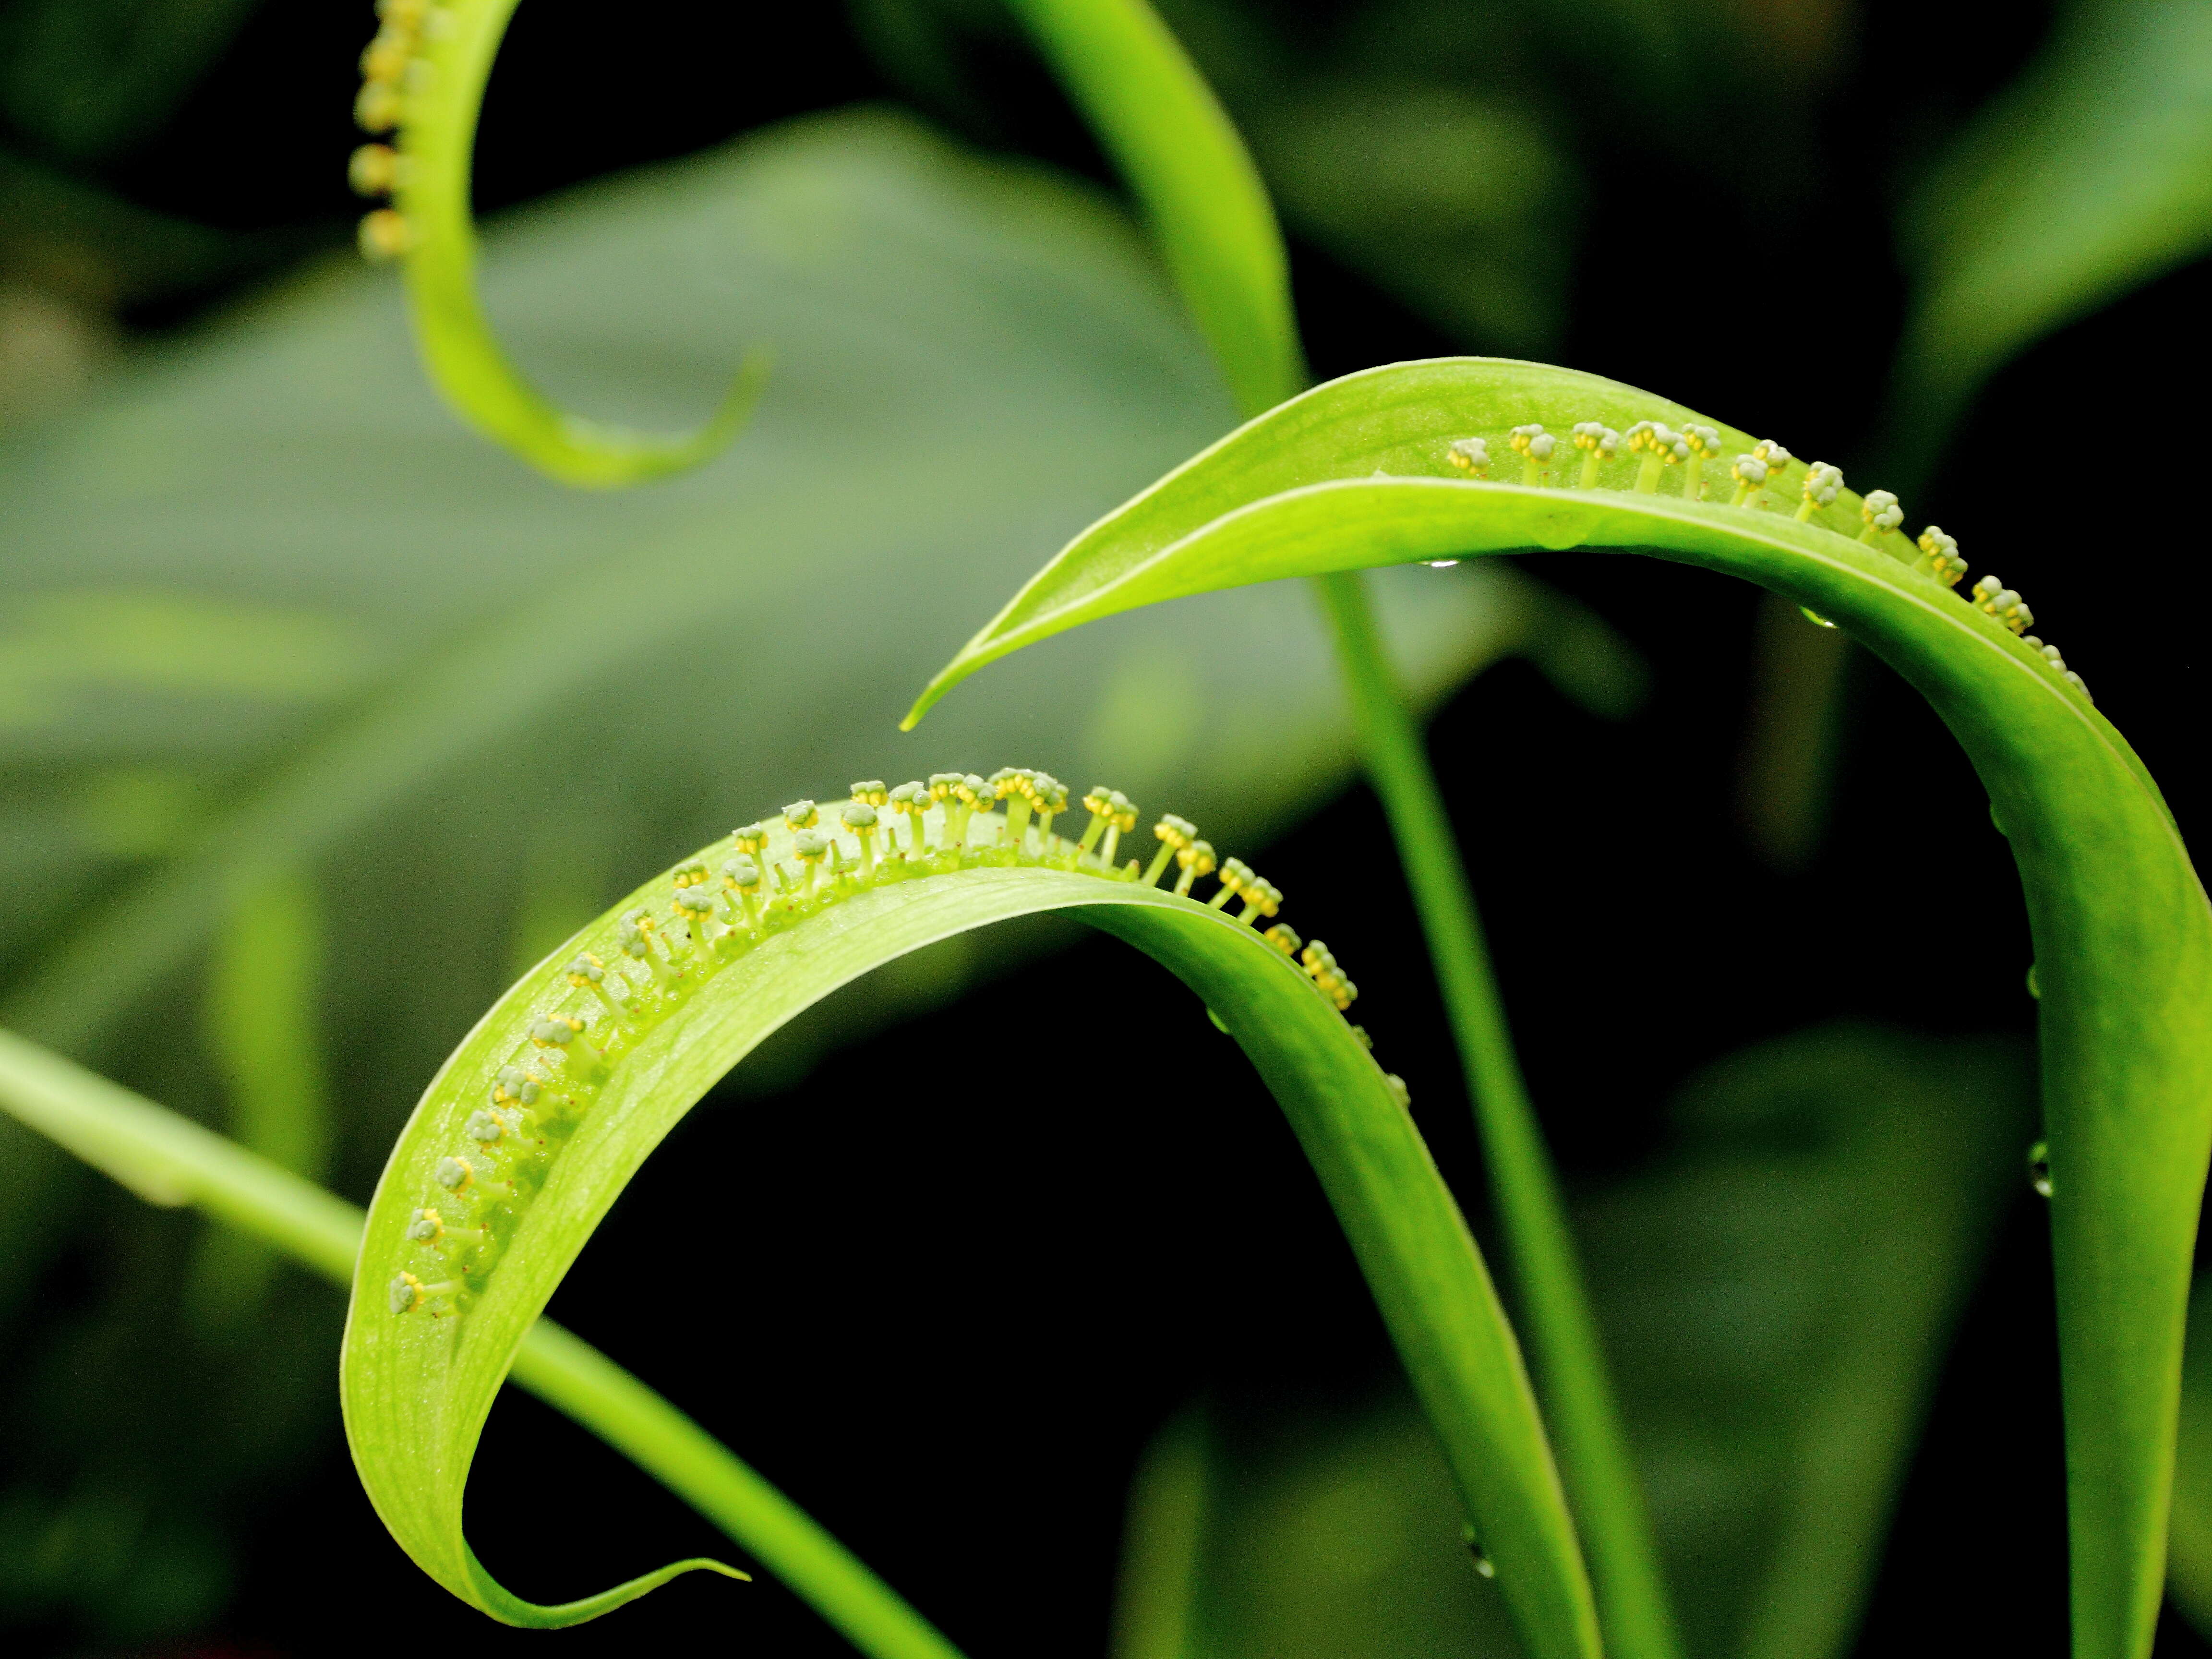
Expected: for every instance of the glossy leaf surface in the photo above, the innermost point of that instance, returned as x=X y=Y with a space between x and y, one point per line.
x=422 y=1359
x=1358 y=473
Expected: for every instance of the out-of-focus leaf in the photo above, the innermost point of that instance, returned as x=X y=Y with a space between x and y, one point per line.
x=1777 y=1291
x=2091 y=175
x=477 y=705
x=2189 y=1560
x=262 y=1023
x=968 y=357
x=1777 y=1294
x=1456 y=202
x=88 y=77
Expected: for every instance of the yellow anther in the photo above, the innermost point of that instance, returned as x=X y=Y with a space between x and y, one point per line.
x=385 y=235
x=871 y=794
x=374 y=170
x=1469 y=455
x=1660 y=446
x=385 y=59
x=1945 y=562
x=1262 y=898
x=1881 y=513
x=1195 y=860
x=1599 y=443
x=1534 y=446
x=378 y=108
x=1697 y=442
x=1823 y=484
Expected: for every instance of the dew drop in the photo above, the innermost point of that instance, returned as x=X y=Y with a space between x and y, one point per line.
x=2033 y=989
x=2039 y=1167
x=1813 y=616
x=1220 y=1023
x=1998 y=822
x=1483 y=1564
x=1442 y=564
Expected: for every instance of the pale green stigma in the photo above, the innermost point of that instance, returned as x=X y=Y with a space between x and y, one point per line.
x=1823 y=484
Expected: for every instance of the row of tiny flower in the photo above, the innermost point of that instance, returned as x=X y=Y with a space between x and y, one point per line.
x=1756 y=472
x=742 y=912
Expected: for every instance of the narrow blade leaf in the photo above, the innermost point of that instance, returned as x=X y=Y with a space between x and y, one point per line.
x=513 y=1156
x=1359 y=472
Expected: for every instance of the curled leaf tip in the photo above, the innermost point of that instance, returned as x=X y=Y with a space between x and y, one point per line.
x=509 y=1608
x=422 y=90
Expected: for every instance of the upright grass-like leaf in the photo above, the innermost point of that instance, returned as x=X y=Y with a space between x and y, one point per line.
x=423 y=79
x=1218 y=232
x=261 y=1025
x=1201 y=194
x=2088 y=177
x=168 y=1159
x=530 y=1130
x=1385 y=467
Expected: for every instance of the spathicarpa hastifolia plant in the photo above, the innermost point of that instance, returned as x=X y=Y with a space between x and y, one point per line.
x=1760 y=478
x=532 y=1128
x=1395 y=466
x=423 y=84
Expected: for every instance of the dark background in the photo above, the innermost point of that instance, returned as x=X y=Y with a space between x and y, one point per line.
x=953 y=1356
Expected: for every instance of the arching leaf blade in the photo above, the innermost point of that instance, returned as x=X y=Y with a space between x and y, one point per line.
x=1355 y=474
x=168 y=1159
x=437 y=135
x=416 y=1388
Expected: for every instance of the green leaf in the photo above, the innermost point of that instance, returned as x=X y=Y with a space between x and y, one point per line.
x=1357 y=473
x=1777 y=1287
x=1202 y=196
x=153 y=1151
x=2089 y=176
x=432 y=81
x=1778 y=1291
x=1016 y=366
x=2189 y=1562
x=262 y=1020
x=456 y=1264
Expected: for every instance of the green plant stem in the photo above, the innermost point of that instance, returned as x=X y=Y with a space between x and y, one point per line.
x=169 y=1160
x=1567 y=1356
x=1207 y=205
x=1218 y=236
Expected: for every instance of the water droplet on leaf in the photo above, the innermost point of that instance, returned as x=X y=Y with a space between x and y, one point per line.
x=2038 y=1167
x=1813 y=616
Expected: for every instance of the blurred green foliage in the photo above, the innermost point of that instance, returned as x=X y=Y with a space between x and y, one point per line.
x=1777 y=1287
x=264 y=608
x=267 y=607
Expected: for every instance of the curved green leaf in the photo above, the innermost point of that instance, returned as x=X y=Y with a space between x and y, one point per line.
x=168 y=1159
x=1211 y=214
x=541 y=1143
x=426 y=75
x=1357 y=473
